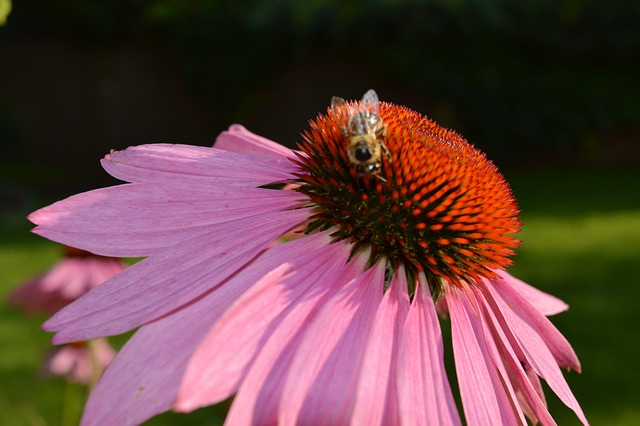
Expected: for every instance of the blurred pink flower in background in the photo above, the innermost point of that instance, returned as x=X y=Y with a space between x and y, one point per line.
x=75 y=274
x=71 y=277
x=337 y=326
x=80 y=362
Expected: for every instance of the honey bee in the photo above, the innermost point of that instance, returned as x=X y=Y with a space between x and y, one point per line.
x=366 y=132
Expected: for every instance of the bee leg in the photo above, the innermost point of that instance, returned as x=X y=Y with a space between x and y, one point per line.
x=385 y=150
x=376 y=172
x=381 y=135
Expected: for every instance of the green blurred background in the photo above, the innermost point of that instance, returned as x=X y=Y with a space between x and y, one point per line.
x=549 y=89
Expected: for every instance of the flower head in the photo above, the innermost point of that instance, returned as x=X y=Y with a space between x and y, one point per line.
x=437 y=205
x=336 y=326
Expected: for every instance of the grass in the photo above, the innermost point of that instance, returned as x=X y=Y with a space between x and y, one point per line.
x=581 y=242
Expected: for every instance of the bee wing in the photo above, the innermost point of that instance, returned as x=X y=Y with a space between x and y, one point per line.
x=370 y=101
x=337 y=101
x=342 y=112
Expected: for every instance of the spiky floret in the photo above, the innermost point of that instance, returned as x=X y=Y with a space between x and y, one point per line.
x=438 y=205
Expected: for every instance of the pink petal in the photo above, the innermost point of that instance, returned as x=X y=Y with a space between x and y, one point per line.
x=527 y=386
x=323 y=375
x=441 y=307
x=144 y=378
x=553 y=339
x=64 y=359
x=543 y=302
x=139 y=219
x=259 y=398
x=483 y=395
x=534 y=379
x=229 y=349
x=376 y=401
x=492 y=340
x=166 y=281
x=132 y=389
x=165 y=162
x=238 y=139
x=424 y=392
x=75 y=272
x=533 y=332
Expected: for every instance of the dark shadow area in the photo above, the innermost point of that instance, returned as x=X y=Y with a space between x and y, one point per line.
x=567 y=192
x=532 y=85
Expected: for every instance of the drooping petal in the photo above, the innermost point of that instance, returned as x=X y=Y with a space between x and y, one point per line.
x=377 y=392
x=159 y=284
x=239 y=139
x=223 y=357
x=323 y=375
x=517 y=370
x=423 y=390
x=521 y=308
x=166 y=162
x=140 y=219
x=534 y=379
x=539 y=341
x=484 y=398
x=493 y=341
x=545 y=303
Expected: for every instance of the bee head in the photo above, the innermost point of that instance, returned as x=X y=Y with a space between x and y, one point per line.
x=361 y=152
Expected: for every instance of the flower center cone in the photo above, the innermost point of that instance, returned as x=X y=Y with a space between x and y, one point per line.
x=437 y=205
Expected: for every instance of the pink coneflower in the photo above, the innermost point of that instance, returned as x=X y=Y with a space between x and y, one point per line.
x=80 y=362
x=75 y=274
x=338 y=326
